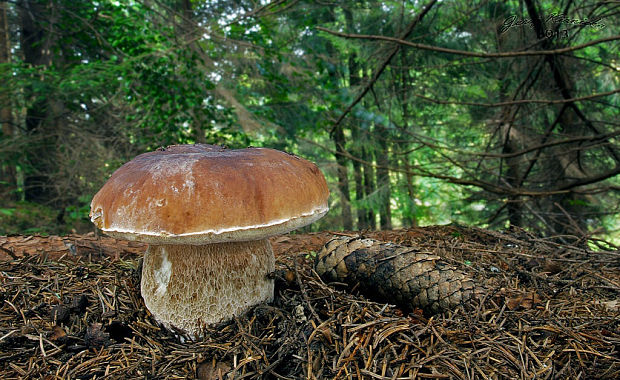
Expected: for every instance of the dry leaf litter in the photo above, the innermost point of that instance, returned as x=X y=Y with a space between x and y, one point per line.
x=70 y=307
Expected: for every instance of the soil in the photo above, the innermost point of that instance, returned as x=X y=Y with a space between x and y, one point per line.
x=70 y=307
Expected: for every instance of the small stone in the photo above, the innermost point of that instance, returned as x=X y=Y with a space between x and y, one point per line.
x=300 y=317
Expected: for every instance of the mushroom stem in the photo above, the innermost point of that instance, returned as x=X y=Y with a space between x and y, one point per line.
x=190 y=286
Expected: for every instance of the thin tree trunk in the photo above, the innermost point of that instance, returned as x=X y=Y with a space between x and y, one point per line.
x=567 y=164
x=8 y=178
x=343 y=179
x=410 y=217
x=356 y=149
x=186 y=30
x=337 y=136
x=369 y=187
x=37 y=47
x=383 y=180
x=512 y=173
x=358 y=177
x=510 y=142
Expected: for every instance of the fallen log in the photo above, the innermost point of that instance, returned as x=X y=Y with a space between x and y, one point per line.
x=395 y=274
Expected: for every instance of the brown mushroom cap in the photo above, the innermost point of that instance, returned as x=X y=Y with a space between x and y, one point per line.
x=202 y=194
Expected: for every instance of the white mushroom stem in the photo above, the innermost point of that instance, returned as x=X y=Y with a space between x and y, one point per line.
x=190 y=286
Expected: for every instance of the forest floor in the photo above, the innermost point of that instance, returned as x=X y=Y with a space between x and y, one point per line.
x=70 y=307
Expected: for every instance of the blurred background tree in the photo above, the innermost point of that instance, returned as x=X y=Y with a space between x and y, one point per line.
x=490 y=113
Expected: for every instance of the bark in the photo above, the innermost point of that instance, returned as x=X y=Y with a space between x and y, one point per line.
x=394 y=273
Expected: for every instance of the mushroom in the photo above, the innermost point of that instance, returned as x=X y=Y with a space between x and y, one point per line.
x=206 y=212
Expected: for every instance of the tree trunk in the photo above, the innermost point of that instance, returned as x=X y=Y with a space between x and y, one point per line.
x=567 y=163
x=186 y=29
x=409 y=218
x=356 y=148
x=343 y=179
x=358 y=177
x=36 y=41
x=369 y=187
x=8 y=178
x=337 y=136
x=512 y=174
x=383 y=180
x=511 y=142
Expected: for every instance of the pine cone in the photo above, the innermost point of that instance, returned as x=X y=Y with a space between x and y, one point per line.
x=394 y=273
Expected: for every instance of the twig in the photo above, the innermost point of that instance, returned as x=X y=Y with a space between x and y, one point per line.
x=507 y=54
x=9 y=252
x=304 y=293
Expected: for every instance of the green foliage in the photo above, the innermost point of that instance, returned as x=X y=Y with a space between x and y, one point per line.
x=130 y=81
x=80 y=211
x=27 y=218
x=120 y=81
x=7 y=211
x=32 y=218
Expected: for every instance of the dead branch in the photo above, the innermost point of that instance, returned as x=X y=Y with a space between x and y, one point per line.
x=520 y=101
x=484 y=185
x=439 y=49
